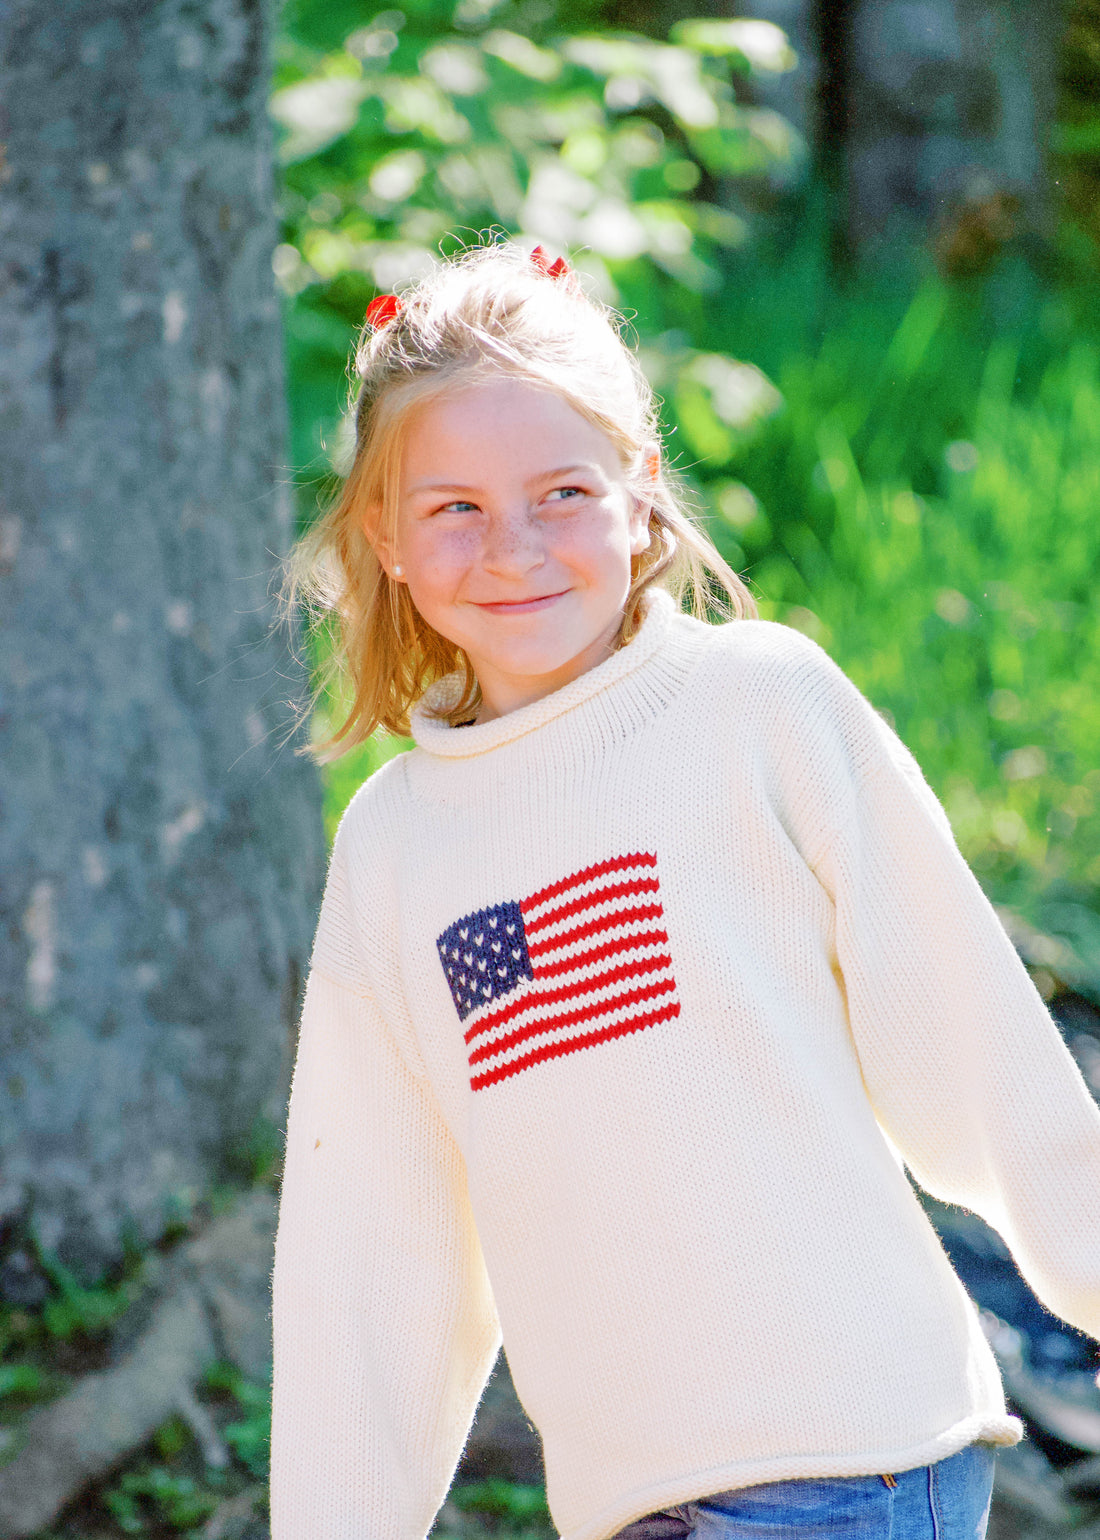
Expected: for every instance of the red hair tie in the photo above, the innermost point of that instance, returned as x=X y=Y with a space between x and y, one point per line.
x=382 y=310
x=558 y=269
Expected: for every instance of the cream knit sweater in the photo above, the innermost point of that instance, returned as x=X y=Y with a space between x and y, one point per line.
x=622 y=1008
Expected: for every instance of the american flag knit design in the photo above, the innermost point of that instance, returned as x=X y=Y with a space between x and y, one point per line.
x=577 y=963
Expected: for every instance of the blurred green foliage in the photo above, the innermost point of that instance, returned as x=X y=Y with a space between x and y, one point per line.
x=249 y=1434
x=504 y=1507
x=409 y=132
x=170 y=1489
x=76 y=1311
x=22 y=1384
x=906 y=469
x=73 y=1319
x=153 y=1495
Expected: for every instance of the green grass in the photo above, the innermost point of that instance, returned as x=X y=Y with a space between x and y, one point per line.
x=511 y=1510
x=925 y=504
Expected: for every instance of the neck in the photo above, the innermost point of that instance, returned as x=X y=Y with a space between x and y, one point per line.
x=502 y=694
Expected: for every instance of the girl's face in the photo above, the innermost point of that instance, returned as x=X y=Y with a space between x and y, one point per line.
x=515 y=530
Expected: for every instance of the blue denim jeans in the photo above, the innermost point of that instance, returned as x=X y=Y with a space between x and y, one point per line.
x=945 y=1501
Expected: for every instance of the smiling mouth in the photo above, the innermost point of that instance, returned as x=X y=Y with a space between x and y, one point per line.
x=521 y=606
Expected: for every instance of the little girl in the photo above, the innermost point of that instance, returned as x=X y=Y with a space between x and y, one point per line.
x=635 y=984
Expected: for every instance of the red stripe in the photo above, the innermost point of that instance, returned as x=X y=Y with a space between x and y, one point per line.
x=619 y=864
x=590 y=901
x=573 y=1044
x=582 y=1013
x=598 y=953
x=601 y=922
x=635 y=968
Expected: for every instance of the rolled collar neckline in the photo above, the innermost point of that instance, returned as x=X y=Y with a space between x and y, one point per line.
x=438 y=737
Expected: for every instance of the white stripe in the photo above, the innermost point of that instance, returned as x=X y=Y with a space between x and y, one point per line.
x=579 y=972
x=532 y=1006
x=629 y=925
x=616 y=1015
x=594 y=886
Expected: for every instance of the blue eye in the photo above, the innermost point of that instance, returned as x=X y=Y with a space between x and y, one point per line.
x=563 y=492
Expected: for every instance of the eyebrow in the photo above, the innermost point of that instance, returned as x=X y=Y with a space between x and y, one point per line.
x=587 y=466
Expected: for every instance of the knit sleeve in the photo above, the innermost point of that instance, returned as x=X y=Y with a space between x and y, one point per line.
x=965 y=1069
x=384 y=1325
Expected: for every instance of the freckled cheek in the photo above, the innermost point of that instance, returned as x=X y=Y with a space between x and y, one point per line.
x=443 y=559
x=594 y=543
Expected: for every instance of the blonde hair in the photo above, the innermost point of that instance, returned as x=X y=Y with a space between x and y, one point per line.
x=488 y=312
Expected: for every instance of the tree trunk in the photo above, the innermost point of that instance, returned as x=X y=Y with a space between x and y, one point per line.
x=160 y=848
x=950 y=104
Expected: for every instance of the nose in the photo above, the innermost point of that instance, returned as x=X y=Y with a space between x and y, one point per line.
x=513 y=542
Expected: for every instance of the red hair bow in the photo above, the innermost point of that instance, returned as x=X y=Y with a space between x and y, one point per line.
x=382 y=310
x=558 y=269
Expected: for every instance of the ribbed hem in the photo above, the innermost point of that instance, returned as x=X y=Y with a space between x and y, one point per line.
x=1000 y=1429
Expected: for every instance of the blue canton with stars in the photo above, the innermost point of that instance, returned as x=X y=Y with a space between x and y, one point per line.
x=484 y=956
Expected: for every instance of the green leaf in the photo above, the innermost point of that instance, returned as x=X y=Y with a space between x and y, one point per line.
x=522 y=55
x=315 y=113
x=758 y=45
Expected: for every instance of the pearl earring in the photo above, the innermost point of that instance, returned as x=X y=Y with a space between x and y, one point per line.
x=398 y=570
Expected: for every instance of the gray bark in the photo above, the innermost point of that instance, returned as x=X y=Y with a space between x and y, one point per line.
x=950 y=103
x=160 y=851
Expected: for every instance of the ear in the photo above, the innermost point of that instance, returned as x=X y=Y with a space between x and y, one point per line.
x=650 y=462
x=382 y=546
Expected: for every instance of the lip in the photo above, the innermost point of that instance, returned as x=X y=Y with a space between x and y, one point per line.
x=521 y=606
